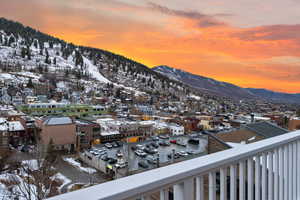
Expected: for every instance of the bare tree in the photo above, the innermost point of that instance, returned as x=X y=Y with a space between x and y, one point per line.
x=33 y=179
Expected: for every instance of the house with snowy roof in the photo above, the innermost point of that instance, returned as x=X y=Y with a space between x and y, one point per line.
x=11 y=132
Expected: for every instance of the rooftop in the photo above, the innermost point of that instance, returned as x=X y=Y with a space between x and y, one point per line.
x=57 y=120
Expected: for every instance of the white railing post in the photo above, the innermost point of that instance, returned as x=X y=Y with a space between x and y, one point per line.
x=199 y=188
x=286 y=174
x=250 y=178
x=164 y=194
x=295 y=170
x=270 y=176
x=189 y=188
x=276 y=175
x=178 y=191
x=242 y=191
x=223 y=183
x=233 y=186
x=281 y=173
x=298 y=169
x=257 y=178
x=212 y=185
x=264 y=175
x=290 y=171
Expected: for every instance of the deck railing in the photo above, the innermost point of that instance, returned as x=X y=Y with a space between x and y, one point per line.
x=264 y=170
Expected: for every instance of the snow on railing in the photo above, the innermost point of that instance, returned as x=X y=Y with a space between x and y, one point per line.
x=266 y=170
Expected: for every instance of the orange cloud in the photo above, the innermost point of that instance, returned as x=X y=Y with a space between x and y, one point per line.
x=155 y=35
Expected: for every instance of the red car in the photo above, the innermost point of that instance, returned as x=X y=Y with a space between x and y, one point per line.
x=173 y=141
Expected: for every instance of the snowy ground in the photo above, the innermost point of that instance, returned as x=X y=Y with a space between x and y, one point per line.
x=63 y=179
x=76 y=164
x=13 y=184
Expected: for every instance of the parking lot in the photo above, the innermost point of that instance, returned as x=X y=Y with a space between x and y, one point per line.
x=144 y=155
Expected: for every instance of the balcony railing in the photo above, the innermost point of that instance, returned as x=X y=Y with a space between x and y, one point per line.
x=265 y=170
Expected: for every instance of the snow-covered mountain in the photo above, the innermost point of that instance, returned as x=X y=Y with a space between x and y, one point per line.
x=226 y=89
x=204 y=83
x=25 y=49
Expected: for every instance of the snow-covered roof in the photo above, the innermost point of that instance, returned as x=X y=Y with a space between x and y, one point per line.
x=15 y=126
x=58 y=121
x=107 y=133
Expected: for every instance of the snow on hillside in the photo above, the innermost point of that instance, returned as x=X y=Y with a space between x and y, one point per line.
x=94 y=71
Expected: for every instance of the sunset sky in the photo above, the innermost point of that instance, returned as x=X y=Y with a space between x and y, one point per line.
x=251 y=43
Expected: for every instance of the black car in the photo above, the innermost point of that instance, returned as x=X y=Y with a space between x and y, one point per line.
x=193 y=141
x=164 y=143
x=149 y=150
x=154 y=145
x=133 y=148
x=105 y=158
x=119 y=143
x=143 y=164
x=176 y=156
x=112 y=161
x=115 y=145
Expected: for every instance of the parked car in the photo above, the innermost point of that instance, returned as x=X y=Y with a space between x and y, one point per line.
x=164 y=143
x=143 y=164
x=183 y=153
x=155 y=138
x=191 y=152
x=115 y=145
x=139 y=146
x=133 y=148
x=154 y=145
x=104 y=158
x=163 y=136
x=140 y=153
x=173 y=141
x=119 y=154
x=151 y=160
x=121 y=165
x=193 y=141
x=150 y=150
x=108 y=145
x=112 y=161
x=119 y=143
x=181 y=143
x=176 y=156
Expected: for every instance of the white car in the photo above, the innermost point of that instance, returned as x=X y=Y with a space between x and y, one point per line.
x=108 y=145
x=121 y=165
x=140 y=153
x=183 y=153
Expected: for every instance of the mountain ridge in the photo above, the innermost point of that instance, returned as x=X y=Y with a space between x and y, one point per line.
x=224 y=88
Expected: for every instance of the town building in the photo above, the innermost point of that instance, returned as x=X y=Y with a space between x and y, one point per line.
x=60 y=130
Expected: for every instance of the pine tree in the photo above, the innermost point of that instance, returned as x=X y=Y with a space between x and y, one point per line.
x=30 y=84
x=47 y=60
x=11 y=40
x=35 y=44
x=23 y=52
x=28 y=53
